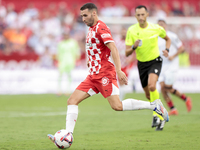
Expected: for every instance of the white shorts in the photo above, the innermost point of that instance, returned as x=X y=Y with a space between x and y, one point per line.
x=168 y=76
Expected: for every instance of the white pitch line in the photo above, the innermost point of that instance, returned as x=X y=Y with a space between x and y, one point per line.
x=22 y=114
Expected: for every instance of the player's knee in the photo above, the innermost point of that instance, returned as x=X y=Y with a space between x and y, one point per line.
x=173 y=91
x=71 y=101
x=117 y=107
x=169 y=89
x=152 y=87
x=162 y=89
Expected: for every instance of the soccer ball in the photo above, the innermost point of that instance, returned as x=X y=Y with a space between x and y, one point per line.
x=63 y=139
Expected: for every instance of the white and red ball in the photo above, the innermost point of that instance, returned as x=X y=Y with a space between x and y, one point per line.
x=63 y=139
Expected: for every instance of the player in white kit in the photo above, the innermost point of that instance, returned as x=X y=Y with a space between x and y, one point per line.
x=169 y=70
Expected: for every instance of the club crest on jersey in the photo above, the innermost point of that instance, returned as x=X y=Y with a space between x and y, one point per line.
x=105 y=81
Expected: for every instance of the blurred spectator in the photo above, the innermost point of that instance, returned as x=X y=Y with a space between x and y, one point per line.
x=22 y=19
x=2 y=11
x=120 y=10
x=188 y=9
x=16 y=38
x=2 y=37
x=51 y=24
x=42 y=28
x=107 y=10
x=46 y=59
x=117 y=10
x=152 y=9
x=159 y=13
x=35 y=24
x=11 y=15
x=165 y=7
x=176 y=9
x=52 y=8
x=62 y=11
x=31 y=11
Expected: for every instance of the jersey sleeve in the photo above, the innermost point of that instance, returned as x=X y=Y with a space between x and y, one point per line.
x=161 y=31
x=176 y=41
x=105 y=34
x=129 y=40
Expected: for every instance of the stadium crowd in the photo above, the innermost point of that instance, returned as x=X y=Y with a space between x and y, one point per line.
x=37 y=30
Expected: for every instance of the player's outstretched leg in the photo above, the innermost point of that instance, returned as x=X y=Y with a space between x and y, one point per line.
x=187 y=100
x=154 y=96
x=160 y=109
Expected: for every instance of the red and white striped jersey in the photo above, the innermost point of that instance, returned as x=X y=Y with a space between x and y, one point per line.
x=99 y=55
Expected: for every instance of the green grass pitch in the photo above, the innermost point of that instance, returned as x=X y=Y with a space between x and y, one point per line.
x=25 y=121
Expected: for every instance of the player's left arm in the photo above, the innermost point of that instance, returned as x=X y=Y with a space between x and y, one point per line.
x=180 y=50
x=168 y=43
x=115 y=56
x=178 y=44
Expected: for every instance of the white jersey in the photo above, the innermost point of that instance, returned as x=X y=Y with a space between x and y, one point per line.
x=169 y=68
x=175 y=44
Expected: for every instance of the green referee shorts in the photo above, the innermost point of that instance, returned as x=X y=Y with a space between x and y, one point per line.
x=145 y=68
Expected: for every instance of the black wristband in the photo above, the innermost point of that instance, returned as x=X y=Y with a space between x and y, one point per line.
x=167 y=49
x=133 y=48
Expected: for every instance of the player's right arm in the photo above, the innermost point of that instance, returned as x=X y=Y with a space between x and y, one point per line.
x=131 y=45
x=115 y=56
x=130 y=49
x=162 y=33
x=168 y=43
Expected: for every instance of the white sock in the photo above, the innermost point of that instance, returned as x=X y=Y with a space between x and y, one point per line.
x=132 y=104
x=72 y=115
x=122 y=90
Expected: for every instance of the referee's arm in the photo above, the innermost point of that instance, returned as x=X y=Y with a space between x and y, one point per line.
x=168 y=43
x=130 y=49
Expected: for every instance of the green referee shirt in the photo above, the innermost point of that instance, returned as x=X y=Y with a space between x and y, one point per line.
x=148 y=46
x=68 y=52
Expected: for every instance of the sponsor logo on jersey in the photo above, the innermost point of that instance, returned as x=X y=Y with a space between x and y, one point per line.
x=105 y=35
x=105 y=81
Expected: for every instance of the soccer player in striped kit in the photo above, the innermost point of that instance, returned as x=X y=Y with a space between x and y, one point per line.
x=100 y=47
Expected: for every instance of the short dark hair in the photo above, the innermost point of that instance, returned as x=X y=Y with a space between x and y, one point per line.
x=163 y=20
x=141 y=6
x=89 y=6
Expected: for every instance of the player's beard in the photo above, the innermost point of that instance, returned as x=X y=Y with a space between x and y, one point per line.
x=91 y=21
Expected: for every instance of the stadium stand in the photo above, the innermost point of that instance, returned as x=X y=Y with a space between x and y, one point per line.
x=38 y=25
